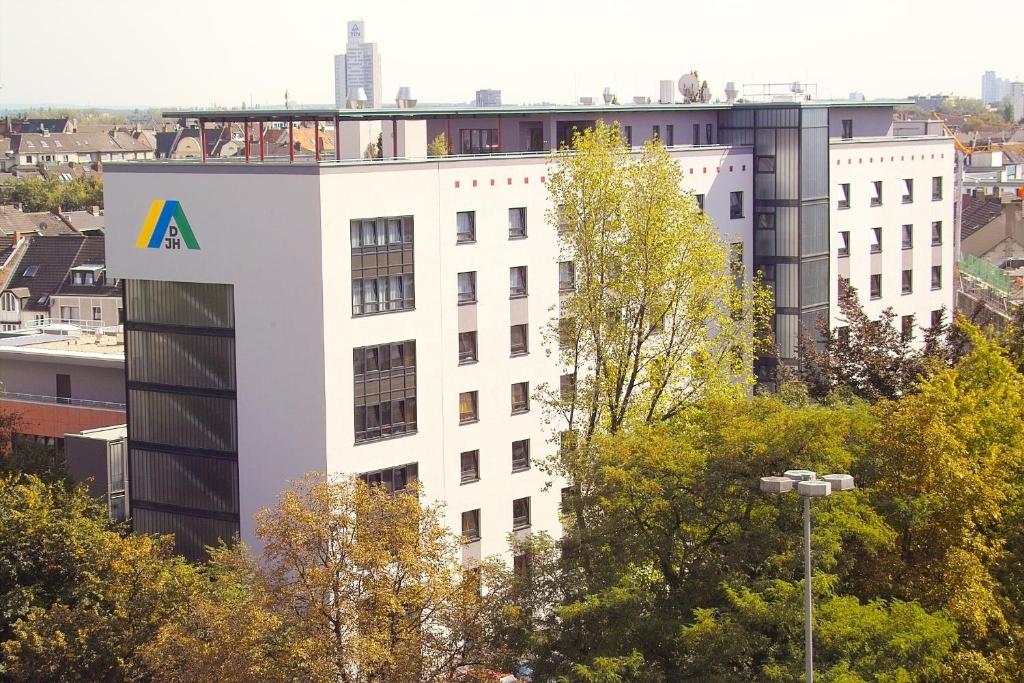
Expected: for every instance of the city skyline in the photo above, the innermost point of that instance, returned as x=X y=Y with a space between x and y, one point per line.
x=424 y=47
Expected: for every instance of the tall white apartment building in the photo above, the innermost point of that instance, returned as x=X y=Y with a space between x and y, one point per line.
x=385 y=317
x=358 y=67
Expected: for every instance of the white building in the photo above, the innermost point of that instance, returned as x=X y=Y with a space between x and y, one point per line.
x=358 y=67
x=385 y=317
x=993 y=88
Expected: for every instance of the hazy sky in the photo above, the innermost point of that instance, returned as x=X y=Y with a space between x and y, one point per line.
x=224 y=52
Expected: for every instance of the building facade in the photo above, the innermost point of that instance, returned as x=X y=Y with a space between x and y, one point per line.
x=395 y=329
x=488 y=98
x=358 y=67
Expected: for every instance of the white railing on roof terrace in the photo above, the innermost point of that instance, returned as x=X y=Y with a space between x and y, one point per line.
x=84 y=325
x=61 y=400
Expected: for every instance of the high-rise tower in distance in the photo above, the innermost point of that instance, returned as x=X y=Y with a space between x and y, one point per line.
x=358 y=67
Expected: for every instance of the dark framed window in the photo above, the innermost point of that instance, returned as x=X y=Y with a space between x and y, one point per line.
x=670 y=135
x=936 y=277
x=700 y=201
x=936 y=233
x=936 y=317
x=876 y=240
x=709 y=133
x=471 y=525
x=519 y=340
x=655 y=132
x=766 y=164
x=907 y=281
x=468 y=411
x=520 y=397
x=385 y=390
x=470 y=463
x=936 y=188
x=517 y=222
x=521 y=566
x=467 y=287
x=465 y=226
x=765 y=220
x=908 y=190
x=520 y=455
x=517 y=285
x=394 y=479
x=844 y=196
x=696 y=134
x=907 y=326
x=567 y=387
x=876 y=198
x=736 y=204
x=566 y=276
x=521 y=513
x=627 y=133
x=383 y=265
x=479 y=140
x=847 y=129
x=876 y=286
x=844 y=243
x=908 y=236
x=467 y=347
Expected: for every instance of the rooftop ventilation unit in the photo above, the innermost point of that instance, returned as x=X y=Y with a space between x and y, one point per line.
x=731 y=92
x=666 y=92
x=608 y=96
x=587 y=100
x=405 y=99
x=356 y=98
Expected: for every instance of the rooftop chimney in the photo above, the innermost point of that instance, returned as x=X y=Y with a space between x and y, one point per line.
x=405 y=99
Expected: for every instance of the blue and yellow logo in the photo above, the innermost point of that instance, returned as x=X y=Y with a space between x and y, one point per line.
x=166 y=227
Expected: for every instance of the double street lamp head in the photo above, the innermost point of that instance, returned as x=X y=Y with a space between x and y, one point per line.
x=806 y=483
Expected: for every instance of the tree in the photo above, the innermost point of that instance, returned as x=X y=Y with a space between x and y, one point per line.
x=53 y=193
x=77 y=597
x=371 y=582
x=19 y=456
x=439 y=146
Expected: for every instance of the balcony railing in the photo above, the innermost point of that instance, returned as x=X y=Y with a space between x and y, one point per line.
x=60 y=400
x=86 y=325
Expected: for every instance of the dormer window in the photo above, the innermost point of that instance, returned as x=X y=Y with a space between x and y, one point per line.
x=87 y=275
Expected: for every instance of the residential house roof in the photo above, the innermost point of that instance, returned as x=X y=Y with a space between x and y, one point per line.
x=977 y=215
x=57 y=143
x=45 y=269
x=13 y=220
x=61 y=124
x=85 y=220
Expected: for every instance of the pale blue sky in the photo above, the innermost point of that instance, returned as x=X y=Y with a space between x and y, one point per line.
x=192 y=53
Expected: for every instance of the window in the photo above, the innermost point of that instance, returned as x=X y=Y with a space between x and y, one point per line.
x=765 y=220
x=520 y=397
x=696 y=134
x=465 y=230
x=844 y=243
x=656 y=132
x=628 y=134
x=567 y=387
x=936 y=233
x=847 y=129
x=566 y=276
x=670 y=135
x=468 y=407
x=521 y=513
x=876 y=198
x=700 y=201
x=936 y=277
x=471 y=525
x=479 y=140
x=908 y=190
x=8 y=302
x=470 y=466
x=382 y=265
x=876 y=286
x=521 y=566
x=83 y=277
x=520 y=455
x=766 y=164
x=467 y=347
x=516 y=281
x=736 y=204
x=31 y=271
x=844 y=196
x=517 y=223
x=876 y=240
x=709 y=133
x=467 y=287
x=69 y=314
x=907 y=281
x=937 y=318
x=97 y=313
x=936 y=188
x=393 y=479
x=519 y=340
x=907 y=326
x=385 y=390
x=908 y=236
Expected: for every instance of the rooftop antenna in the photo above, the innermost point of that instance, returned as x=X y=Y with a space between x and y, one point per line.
x=286 y=98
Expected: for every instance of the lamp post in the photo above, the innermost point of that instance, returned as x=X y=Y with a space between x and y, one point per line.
x=807 y=484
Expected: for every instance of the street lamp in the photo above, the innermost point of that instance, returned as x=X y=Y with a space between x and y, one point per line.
x=808 y=486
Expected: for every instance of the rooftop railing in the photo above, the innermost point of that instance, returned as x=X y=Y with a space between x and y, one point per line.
x=60 y=400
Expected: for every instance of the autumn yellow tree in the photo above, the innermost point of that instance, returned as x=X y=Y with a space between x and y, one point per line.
x=370 y=581
x=439 y=146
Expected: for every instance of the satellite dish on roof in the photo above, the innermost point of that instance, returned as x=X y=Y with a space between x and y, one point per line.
x=688 y=85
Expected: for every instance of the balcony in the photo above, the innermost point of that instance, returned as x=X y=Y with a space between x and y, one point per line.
x=61 y=400
x=55 y=416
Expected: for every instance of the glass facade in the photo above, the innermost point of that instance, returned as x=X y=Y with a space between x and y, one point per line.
x=182 y=419
x=791 y=239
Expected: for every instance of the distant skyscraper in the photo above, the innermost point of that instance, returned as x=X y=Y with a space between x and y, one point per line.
x=994 y=89
x=488 y=98
x=358 y=67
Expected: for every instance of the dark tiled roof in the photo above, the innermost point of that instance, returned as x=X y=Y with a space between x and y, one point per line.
x=58 y=125
x=49 y=258
x=1012 y=157
x=977 y=215
x=92 y=253
x=45 y=223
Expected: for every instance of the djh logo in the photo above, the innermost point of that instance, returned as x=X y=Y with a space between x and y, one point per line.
x=166 y=227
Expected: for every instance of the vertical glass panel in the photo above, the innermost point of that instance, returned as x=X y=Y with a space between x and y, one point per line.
x=191 y=304
x=814 y=163
x=814 y=282
x=182 y=420
x=185 y=481
x=814 y=229
x=191 y=534
x=186 y=360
